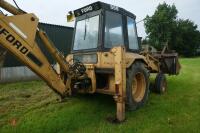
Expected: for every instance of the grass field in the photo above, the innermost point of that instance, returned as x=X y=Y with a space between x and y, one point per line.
x=33 y=108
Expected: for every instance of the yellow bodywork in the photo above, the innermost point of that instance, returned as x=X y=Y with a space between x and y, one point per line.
x=106 y=60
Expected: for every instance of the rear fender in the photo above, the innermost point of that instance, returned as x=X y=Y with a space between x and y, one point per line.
x=132 y=57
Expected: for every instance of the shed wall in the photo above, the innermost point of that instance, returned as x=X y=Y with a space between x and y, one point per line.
x=15 y=74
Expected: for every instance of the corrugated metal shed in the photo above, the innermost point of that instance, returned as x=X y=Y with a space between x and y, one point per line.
x=61 y=36
x=14 y=74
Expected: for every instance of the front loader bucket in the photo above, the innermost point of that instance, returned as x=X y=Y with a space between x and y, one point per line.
x=169 y=62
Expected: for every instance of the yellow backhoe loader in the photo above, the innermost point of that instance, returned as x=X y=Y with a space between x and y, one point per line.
x=106 y=55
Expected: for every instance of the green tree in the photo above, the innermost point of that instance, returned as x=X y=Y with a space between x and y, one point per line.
x=160 y=26
x=186 y=39
x=163 y=26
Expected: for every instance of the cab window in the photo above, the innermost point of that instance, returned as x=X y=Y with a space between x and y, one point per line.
x=87 y=32
x=113 y=30
x=132 y=35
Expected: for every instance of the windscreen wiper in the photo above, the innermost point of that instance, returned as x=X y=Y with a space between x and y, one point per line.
x=85 y=34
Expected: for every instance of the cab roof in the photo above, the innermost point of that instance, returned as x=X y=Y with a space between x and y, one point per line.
x=104 y=6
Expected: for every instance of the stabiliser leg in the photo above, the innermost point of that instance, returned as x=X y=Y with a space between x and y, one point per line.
x=120 y=82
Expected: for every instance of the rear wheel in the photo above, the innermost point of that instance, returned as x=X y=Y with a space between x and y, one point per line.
x=137 y=88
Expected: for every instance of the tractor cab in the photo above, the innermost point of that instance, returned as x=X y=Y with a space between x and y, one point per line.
x=100 y=27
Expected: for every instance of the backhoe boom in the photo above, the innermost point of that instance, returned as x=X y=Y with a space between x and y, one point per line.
x=17 y=35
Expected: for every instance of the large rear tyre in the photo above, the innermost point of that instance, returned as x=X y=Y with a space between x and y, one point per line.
x=137 y=86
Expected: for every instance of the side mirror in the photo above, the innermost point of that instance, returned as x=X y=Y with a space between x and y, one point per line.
x=70 y=17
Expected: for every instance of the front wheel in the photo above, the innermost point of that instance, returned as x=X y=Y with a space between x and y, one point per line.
x=137 y=86
x=160 y=83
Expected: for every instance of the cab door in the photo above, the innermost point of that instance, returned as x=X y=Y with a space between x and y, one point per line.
x=113 y=30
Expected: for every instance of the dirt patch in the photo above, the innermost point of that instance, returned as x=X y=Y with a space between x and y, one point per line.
x=3 y=110
x=13 y=122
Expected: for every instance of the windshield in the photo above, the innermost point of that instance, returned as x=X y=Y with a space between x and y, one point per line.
x=86 y=35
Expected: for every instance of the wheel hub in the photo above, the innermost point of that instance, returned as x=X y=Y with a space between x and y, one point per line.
x=138 y=87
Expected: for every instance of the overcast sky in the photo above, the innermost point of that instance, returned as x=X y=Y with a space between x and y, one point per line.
x=54 y=11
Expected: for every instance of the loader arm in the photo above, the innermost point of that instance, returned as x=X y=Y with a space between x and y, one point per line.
x=17 y=35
